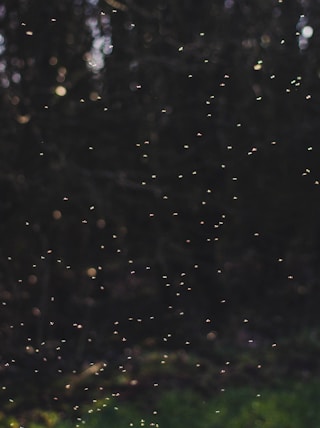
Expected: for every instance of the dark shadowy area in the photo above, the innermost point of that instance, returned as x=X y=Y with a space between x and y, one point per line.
x=159 y=196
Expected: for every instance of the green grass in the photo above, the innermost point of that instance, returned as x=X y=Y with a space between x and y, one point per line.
x=293 y=405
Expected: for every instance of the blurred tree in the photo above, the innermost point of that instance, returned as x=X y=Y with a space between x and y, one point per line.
x=157 y=159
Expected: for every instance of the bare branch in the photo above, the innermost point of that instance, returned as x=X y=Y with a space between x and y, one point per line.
x=117 y=5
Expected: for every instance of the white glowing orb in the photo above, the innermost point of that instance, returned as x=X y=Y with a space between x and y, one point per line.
x=307 y=31
x=60 y=91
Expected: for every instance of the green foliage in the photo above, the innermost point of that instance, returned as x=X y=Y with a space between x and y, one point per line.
x=34 y=419
x=288 y=409
x=236 y=408
x=291 y=406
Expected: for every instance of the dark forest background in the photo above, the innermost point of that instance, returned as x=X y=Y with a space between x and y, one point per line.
x=159 y=189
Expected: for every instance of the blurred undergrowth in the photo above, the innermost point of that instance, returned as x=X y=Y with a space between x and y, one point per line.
x=264 y=387
x=294 y=405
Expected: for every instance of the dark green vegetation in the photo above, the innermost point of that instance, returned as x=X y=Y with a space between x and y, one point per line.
x=159 y=201
x=296 y=407
x=236 y=409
